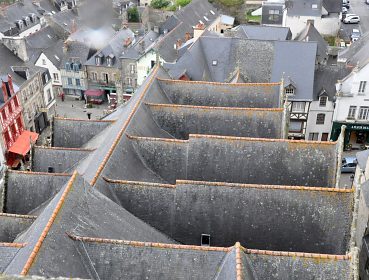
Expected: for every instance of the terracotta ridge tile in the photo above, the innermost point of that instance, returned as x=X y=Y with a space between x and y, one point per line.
x=148 y=244
x=307 y=142
x=156 y=139
x=14 y=245
x=238 y=261
x=219 y=83
x=124 y=127
x=262 y=186
x=49 y=224
x=166 y=35
x=63 y=148
x=296 y=254
x=38 y=173
x=139 y=183
x=214 y=108
x=31 y=217
x=83 y=120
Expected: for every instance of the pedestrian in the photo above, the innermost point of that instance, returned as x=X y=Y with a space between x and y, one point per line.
x=62 y=96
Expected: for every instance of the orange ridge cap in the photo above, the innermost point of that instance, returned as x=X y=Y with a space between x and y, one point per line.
x=14 y=245
x=124 y=127
x=31 y=217
x=238 y=261
x=38 y=173
x=139 y=183
x=148 y=244
x=296 y=254
x=50 y=222
x=214 y=108
x=219 y=83
x=262 y=186
x=261 y=139
x=65 y=149
x=83 y=120
x=131 y=137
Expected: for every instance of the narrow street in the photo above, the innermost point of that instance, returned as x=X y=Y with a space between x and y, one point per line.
x=360 y=8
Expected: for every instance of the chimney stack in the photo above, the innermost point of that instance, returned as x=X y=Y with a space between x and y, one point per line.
x=10 y=84
x=4 y=88
x=178 y=44
x=65 y=46
x=188 y=36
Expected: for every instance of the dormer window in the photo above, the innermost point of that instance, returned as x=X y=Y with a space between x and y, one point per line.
x=323 y=101
x=110 y=60
x=33 y=17
x=76 y=67
x=67 y=66
x=20 y=24
x=289 y=90
x=26 y=21
x=99 y=59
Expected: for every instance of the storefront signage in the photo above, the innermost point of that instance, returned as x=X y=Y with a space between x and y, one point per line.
x=359 y=127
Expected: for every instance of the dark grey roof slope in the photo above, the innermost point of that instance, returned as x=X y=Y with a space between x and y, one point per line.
x=326 y=77
x=263 y=32
x=310 y=34
x=25 y=191
x=12 y=225
x=257 y=61
x=76 y=50
x=7 y=253
x=59 y=159
x=362 y=158
x=142 y=46
x=84 y=211
x=304 y=8
x=357 y=53
x=74 y=133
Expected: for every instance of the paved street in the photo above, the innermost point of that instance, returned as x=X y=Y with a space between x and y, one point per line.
x=360 y=8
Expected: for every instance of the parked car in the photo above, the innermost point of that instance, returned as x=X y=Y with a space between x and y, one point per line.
x=348 y=165
x=346 y=4
x=345 y=10
x=345 y=16
x=351 y=19
x=355 y=35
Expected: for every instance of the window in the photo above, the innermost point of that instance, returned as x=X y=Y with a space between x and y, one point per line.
x=70 y=81
x=3 y=115
x=76 y=67
x=274 y=12
x=363 y=113
x=362 y=86
x=67 y=66
x=323 y=101
x=352 y=112
x=289 y=91
x=314 y=6
x=78 y=82
x=214 y=62
x=97 y=60
x=129 y=81
x=49 y=97
x=56 y=76
x=94 y=76
x=43 y=61
x=205 y=239
x=298 y=106
x=10 y=107
x=16 y=103
x=320 y=118
x=313 y=136
x=105 y=77
x=324 y=137
x=132 y=68
x=295 y=126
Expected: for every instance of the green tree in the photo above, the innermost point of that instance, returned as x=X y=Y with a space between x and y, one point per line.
x=159 y=4
x=182 y=3
x=133 y=15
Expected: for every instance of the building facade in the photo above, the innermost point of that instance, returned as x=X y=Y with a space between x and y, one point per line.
x=352 y=108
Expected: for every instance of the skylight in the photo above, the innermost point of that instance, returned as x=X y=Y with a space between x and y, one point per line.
x=212 y=12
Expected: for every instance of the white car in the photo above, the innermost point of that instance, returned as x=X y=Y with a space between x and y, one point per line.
x=351 y=19
x=355 y=35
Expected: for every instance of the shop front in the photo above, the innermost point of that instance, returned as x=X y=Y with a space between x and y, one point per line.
x=356 y=135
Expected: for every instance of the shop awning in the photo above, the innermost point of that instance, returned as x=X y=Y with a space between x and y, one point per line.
x=22 y=145
x=94 y=92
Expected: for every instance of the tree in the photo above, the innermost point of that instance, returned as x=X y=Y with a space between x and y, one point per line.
x=133 y=15
x=182 y=3
x=159 y=4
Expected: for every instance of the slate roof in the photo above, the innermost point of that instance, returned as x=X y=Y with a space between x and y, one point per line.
x=142 y=46
x=115 y=47
x=263 y=32
x=357 y=53
x=76 y=50
x=310 y=34
x=305 y=7
x=266 y=61
x=120 y=215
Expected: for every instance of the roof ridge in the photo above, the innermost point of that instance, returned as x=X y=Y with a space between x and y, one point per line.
x=63 y=148
x=156 y=139
x=262 y=139
x=213 y=107
x=83 y=120
x=14 y=245
x=31 y=217
x=262 y=186
x=122 y=130
x=148 y=244
x=297 y=254
x=238 y=261
x=139 y=183
x=38 y=173
x=219 y=83
x=49 y=224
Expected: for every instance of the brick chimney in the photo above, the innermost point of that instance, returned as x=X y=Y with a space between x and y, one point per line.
x=198 y=30
x=188 y=36
x=127 y=42
x=65 y=46
x=178 y=44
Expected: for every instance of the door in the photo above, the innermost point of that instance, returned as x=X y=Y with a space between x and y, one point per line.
x=324 y=136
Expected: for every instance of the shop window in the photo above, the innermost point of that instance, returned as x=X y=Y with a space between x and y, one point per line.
x=363 y=113
x=323 y=101
x=320 y=118
x=352 y=112
x=313 y=136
